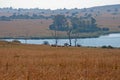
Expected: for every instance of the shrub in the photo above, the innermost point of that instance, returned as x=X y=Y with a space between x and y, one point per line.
x=109 y=47
x=104 y=47
x=105 y=29
x=66 y=44
x=16 y=41
x=53 y=45
x=78 y=45
x=46 y=43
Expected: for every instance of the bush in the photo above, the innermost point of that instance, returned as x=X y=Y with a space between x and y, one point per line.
x=66 y=44
x=104 y=47
x=46 y=43
x=53 y=45
x=16 y=41
x=105 y=29
x=78 y=45
x=109 y=47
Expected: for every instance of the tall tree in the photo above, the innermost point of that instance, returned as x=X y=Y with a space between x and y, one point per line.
x=69 y=32
x=59 y=24
x=60 y=21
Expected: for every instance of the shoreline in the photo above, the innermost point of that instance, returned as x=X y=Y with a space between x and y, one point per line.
x=36 y=38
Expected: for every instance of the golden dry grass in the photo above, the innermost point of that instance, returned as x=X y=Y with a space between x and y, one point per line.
x=39 y=62
x=25 y=28
x=110 y=21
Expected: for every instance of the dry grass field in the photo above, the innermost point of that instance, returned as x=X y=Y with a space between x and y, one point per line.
x=40 y=62
x=26 y=28
x=110 y=21
x=23 y=28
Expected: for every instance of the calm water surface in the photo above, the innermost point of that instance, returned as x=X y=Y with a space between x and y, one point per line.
x=111 y=39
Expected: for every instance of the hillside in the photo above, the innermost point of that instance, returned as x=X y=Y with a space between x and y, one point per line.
x=37 y=22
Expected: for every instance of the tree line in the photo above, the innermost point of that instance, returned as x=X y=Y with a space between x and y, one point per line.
x=24 y=16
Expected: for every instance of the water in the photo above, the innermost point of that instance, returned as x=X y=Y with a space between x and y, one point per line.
x=111 y=39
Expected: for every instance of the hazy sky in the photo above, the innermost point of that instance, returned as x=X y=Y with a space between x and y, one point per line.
x=54 y=4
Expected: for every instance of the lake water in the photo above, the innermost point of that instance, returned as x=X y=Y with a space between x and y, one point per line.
x=111 y=39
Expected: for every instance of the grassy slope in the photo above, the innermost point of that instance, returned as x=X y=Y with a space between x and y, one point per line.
x=26 y=28
x=35 y=62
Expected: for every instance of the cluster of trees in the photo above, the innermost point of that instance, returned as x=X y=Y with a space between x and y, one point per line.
x=84 y=24
x=80 y=25
x=4 y=18
x=59 y=23
x=74 y=25
x=23 y=16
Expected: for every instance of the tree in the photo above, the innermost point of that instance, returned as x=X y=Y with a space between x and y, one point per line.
x=76 y=23
x=92 y=10
x=59 y=24
x=108 y=10
x=93 y=22
x=4 y=18
x=83 y=25
x=69 y=32
x=76 y=35
x=84 y=10
x=116 y=9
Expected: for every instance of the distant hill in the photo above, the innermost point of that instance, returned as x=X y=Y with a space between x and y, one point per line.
x=35 y=22
x=108 y=8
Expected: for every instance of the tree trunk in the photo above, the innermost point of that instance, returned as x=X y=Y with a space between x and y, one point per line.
x=70 y=40
x=56 y=38
x=69 y=37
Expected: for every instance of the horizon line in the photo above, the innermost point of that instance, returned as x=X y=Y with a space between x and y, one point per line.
x=58 y=8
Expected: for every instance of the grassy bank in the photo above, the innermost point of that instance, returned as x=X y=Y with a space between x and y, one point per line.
x=63 y=36
x=40 y=62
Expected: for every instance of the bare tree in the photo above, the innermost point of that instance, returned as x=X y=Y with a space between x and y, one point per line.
x=76 y=35
x=55 y=36
x=69 y=32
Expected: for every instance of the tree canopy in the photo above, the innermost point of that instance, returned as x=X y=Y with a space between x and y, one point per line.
x=83 y=24
x=59 y=23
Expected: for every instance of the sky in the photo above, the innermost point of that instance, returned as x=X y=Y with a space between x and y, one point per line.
x=56 y=4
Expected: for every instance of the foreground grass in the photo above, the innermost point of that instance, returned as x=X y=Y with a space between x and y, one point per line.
x=35 y=62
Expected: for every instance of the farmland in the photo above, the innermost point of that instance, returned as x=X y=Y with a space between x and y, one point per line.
x=40 y=62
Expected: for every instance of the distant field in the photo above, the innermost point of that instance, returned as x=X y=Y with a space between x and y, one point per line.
x=110 y=21
x=39 y=62
x=106 y=16
x=25 y=28
x=40 y=28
